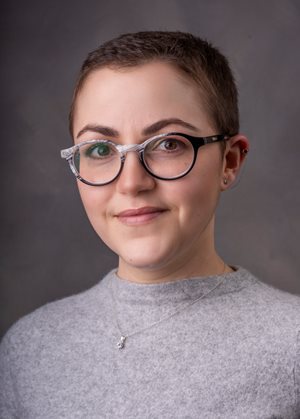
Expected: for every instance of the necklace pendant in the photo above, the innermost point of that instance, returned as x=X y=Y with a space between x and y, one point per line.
x=121 y=342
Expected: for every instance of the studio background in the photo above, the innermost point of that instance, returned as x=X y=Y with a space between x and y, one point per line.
x=48 y=248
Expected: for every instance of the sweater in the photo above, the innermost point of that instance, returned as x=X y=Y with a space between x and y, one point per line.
x=211 y=347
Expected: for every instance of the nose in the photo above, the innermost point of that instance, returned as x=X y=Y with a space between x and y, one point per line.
x=134 y=178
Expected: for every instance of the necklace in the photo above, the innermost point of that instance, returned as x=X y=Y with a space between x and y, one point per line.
x=182 y=307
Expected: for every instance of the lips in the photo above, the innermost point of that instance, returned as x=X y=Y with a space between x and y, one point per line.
x=139 y=215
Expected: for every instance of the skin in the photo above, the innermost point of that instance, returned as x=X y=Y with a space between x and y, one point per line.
x=177 y=239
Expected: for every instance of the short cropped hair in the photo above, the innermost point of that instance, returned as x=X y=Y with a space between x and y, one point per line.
x=194 y=57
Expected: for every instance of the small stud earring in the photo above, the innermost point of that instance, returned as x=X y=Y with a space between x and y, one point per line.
x=225 y=181
x=245 y=151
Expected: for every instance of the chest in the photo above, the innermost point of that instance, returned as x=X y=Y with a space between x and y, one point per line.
x=170 y=372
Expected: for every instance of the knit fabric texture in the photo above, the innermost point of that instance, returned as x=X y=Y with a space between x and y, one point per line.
x=233 y=354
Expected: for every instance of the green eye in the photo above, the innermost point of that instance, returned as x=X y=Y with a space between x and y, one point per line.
x=98 y=150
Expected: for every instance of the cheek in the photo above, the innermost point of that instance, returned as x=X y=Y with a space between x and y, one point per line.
x=95 y=201
x=198 y=196
x=206 y=174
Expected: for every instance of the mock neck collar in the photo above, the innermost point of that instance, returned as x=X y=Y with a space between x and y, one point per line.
x=127 y=292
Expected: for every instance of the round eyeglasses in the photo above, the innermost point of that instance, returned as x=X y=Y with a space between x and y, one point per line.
x=165 y=156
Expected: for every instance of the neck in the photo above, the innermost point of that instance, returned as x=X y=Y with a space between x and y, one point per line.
x=155 y=276
x=200 y=260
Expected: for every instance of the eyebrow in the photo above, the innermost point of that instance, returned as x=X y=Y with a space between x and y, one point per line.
x=99 y=129
x=151 y=129
x=157 y=126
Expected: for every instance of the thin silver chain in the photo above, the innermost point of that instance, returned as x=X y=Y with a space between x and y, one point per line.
x=182 y=307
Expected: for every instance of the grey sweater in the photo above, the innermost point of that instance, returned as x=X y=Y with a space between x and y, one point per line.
x=233 y=354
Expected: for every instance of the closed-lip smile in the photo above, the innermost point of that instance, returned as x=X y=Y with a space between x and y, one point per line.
x=135 y=216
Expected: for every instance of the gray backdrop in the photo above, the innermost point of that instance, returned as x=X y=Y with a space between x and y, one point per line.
x=48 y=249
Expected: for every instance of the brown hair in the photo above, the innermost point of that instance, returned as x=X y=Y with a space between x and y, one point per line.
x=194 y=57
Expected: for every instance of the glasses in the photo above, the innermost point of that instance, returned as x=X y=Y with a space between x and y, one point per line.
x=165 y=156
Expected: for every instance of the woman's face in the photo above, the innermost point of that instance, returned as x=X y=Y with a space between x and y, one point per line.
x=160 y=229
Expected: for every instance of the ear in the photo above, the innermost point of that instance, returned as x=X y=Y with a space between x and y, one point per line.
x=235 y=152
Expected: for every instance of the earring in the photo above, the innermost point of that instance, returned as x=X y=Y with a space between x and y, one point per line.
x=225 y=181
x=245 y=151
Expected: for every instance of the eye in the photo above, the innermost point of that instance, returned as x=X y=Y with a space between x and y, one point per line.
x=99 y=150
x=169 y=145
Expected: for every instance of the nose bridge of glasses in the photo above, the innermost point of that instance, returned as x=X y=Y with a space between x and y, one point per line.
x=124 y=149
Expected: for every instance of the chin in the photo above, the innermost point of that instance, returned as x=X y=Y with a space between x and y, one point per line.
x=147 y=258
x=142 y=262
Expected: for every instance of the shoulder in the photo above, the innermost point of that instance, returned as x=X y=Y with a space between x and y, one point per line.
x=273 y=305
x=55 y=319
x=266 y=297
x=274 y=316
x=267 y=316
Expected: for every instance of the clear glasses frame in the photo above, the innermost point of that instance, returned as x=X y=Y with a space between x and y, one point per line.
x=196 y=143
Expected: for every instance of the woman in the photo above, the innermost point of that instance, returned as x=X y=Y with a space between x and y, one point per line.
x=174 y=331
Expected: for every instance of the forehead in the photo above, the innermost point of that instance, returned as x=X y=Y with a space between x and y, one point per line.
x=156 y=76
x=142 y=94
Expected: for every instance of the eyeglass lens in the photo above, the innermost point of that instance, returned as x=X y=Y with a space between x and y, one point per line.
x=167 y=158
